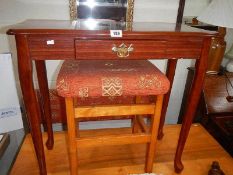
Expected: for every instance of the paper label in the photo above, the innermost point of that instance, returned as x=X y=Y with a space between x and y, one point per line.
x=50 y=42
x=116 y=33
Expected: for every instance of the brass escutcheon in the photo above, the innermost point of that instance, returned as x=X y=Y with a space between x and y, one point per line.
x=122 y=51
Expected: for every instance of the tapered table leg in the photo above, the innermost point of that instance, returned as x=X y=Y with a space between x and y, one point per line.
x=193 y=99
x=170 y=73
x=30 y=101
x=44 y=91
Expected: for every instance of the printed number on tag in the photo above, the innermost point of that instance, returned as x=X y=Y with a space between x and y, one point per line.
x=116 y=33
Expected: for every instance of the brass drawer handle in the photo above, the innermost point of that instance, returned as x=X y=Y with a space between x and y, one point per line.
x=122 y=51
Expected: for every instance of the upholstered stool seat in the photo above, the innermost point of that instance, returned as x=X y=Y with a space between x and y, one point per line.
x=98 y=78
x=98 y=88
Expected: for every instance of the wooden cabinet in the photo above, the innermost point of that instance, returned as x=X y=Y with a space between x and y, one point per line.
x=219 y=111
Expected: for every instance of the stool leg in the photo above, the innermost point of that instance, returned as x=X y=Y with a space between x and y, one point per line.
x=135 y=124
x=71 y=135
x=155 y=119
x=134 y=121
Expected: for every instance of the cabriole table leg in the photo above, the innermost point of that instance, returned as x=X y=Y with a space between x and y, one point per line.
x=30 y=101
x=193 y=99
x=44 y=90
x=170 y=73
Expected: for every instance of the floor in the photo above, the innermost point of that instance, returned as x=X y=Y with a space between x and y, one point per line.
x=201 y=149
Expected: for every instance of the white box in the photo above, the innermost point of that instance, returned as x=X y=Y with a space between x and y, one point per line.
x=10 y=114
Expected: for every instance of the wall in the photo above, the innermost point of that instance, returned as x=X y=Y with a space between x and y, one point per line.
x=15 y=11
x=156 y=10
x=195 y=7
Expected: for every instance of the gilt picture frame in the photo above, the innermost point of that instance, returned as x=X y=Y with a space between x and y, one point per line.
x=74 y=10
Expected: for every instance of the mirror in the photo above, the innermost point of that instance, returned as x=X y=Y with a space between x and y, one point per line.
x=117 y=10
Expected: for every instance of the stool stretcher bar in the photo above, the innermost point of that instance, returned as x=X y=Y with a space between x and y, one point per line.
x=113 y=140
x=112 y=110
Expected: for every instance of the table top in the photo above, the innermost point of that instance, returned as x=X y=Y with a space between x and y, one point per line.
x=103 y=26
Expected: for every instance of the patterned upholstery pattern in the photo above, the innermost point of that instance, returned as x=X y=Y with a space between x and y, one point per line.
x=110 y=78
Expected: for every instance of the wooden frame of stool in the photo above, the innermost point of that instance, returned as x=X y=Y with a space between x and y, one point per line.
x=146 y=136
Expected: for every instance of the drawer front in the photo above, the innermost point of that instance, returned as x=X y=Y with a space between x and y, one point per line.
x=120 y=49
x=185 y=48
x=51 y=47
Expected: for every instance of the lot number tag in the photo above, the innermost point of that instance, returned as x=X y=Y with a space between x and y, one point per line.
x=116 y=33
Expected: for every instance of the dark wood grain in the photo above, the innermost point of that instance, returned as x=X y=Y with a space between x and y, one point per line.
x=29 y=97
x=99 y=49
x=46 y=111
x=142 y=49
x=180 y=12
x=193 y=99
x=171 y=68
x=63 y=47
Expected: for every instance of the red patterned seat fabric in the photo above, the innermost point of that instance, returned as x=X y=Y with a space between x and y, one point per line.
x=110 y=78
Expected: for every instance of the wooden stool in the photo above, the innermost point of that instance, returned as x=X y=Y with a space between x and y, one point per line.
x=112 y=79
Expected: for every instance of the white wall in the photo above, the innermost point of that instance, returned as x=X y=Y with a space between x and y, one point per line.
x=156 y=10
x=14 y=11
x=195 y=7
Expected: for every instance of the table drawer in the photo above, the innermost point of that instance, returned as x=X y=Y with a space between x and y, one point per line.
x=51 y=47
x=120 y=49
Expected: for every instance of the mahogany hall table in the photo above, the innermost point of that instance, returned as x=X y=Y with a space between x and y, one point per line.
x=40 y=40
